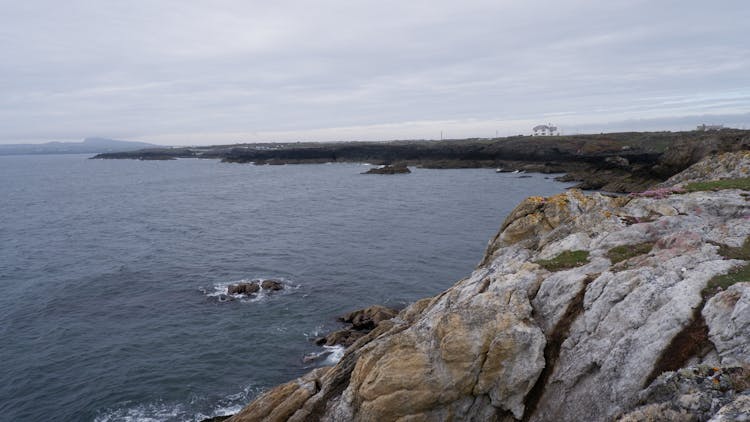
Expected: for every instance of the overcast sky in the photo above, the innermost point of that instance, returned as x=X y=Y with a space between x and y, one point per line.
x=201 y=72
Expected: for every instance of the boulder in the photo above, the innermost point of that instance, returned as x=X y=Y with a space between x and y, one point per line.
x=272 y=284
x=243 y=288
x=368 y=318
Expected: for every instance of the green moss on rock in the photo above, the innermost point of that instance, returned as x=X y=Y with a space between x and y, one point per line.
x=741 y=252
x=722 y=282
x=565 y=260
x=740 y=183
x=624 y=252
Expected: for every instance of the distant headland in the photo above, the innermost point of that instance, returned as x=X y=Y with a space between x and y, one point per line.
x=615 y=162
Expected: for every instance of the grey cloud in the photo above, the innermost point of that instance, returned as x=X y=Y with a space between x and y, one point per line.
x=155 y=70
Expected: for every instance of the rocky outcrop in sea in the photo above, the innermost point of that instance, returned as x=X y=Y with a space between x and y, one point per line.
x=584 y=308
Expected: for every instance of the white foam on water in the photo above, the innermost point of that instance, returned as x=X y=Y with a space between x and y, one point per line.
x=160 y=411
x=335 y=354
x=226 y=410
x=317 y=332
x=332 y=355
x=152 y=412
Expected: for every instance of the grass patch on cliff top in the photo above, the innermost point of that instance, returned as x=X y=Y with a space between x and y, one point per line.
x=722 y=282
x=621 y=253
x=565 y=260
x=741 y=183
x=740 y=252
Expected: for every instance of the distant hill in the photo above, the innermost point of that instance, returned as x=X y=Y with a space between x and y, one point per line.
x=88 y=146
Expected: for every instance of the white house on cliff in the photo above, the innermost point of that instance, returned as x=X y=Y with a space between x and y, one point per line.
x=545 y=130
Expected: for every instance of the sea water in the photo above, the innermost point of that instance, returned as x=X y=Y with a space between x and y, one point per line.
x=113 y=273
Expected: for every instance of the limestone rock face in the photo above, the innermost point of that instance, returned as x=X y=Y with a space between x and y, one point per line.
x=281 y=403
x=514 y=341
x=723 y=166
x=728 y=318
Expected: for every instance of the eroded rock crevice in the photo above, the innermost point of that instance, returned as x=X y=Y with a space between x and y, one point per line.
x=555 y=340
x=689 y=343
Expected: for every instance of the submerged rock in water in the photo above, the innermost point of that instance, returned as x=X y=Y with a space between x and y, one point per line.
x=516 y=341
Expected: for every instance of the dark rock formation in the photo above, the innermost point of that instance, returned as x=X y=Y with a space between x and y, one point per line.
x=272 y=285
x=217 y=418
x=621 y=162
x=362 y=322
x=368 y=318
x=243 y=288
x=253 y=287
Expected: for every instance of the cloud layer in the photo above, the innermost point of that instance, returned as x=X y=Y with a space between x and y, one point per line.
x=189 y=72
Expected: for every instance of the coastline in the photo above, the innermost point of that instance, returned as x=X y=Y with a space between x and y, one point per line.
x=615 y=162
x=618 y=333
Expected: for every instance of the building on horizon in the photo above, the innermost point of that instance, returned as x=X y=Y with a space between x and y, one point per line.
x=545 y=130
x=707 y=128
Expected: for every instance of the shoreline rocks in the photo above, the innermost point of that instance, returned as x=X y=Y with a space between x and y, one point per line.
x=361 y=321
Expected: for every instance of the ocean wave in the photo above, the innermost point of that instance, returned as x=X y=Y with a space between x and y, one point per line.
x=330 y=355
x=317 y=332
x=337 y=352
x=152 y=412
x=195 y=410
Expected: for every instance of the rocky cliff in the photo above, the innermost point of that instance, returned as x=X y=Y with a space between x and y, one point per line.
x=585 y=307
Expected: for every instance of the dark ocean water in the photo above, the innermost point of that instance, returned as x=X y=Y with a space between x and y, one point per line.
x=109 y=271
